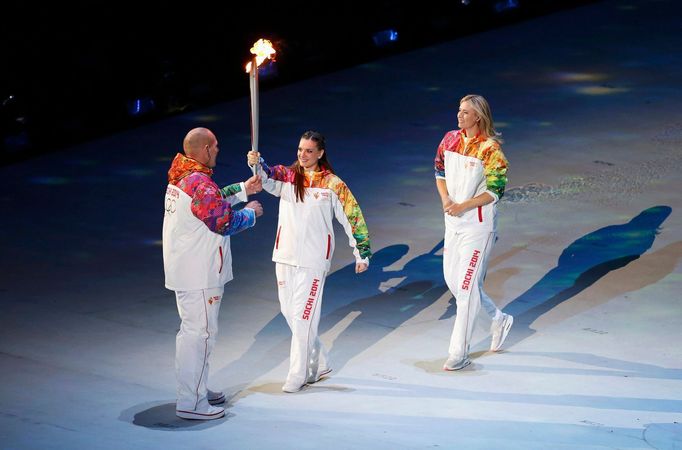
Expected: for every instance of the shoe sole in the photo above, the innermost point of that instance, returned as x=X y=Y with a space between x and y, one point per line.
x=320 y=376
x=216 y=401
x=466 y=364
x=505 y=332
x=191 y=415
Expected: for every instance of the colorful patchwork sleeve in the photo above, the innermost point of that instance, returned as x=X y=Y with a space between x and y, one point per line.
x=278 y=173
x=274 y=177
x=448 y=142
x=439 y=165
x=495 y=170
x=209 y=207
x=353 y=216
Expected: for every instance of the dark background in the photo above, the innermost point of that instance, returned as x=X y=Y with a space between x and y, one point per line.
x=74 y=71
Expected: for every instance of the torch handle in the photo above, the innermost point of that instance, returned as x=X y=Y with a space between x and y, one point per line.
x=253 y=79
x=253 y=82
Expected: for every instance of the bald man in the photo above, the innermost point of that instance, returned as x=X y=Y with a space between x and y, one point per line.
x=198 y=222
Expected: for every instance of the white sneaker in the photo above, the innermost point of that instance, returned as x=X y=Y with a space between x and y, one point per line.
x=456 y=363
x=215 y=398
x=319 y=376
x=292 y=387
x=214 y=412
x=500 y=330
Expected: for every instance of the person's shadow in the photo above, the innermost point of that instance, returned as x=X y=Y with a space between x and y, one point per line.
x=371 y=318
x=581 y=264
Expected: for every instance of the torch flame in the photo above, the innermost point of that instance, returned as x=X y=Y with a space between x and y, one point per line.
x=263 y=50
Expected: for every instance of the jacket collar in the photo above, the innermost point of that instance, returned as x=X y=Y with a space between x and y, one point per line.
x=183 y=166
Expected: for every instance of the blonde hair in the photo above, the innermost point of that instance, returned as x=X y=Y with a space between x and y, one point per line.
x=482 y=108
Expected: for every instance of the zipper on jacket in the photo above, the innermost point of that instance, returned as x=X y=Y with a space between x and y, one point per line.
x=279 y=230
x=220 y=251
x=329 y=244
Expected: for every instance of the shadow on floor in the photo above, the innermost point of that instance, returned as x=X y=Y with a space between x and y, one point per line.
x=161 y=416
x=585 y=261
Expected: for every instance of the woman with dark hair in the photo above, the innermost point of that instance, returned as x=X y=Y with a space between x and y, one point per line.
x=311 y=195
x=471 y=174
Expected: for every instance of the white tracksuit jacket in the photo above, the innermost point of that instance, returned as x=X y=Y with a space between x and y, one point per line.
x=470 y=169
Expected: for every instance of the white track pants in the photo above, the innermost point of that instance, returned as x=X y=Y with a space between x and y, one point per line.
x=465 y=261
x=193 y=344
x=300 y=297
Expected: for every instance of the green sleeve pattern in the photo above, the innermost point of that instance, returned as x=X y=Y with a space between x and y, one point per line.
x=354 y=215
x=231 y=190
x=495 y=169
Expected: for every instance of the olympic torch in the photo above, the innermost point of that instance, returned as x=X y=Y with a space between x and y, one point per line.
x=262 y=50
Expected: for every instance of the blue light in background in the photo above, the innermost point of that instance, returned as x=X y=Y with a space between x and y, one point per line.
x=506 y=5
x=141 y=106
x=383 y=38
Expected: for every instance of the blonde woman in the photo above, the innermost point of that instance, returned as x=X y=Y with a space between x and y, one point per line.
x=471 y=174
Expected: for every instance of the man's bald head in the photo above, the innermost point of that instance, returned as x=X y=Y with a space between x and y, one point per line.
x=196 y=140
x=201 y=144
